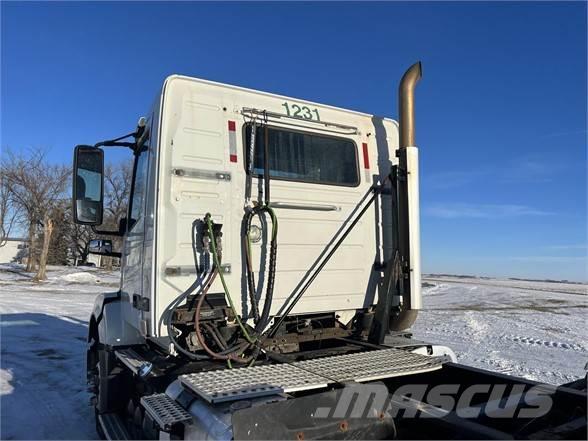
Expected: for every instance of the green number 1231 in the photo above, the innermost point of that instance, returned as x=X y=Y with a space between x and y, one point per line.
x=304 y=112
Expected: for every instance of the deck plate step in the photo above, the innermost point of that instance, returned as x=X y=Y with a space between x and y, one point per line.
x=248 y=382
x=371 y=366
x=165 y=411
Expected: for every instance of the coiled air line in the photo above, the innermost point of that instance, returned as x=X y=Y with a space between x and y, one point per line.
x=262 y=320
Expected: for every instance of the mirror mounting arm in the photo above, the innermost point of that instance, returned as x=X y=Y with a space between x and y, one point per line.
x=117 y=142
x=131 y=145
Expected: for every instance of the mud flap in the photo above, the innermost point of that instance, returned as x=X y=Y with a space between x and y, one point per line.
x=327 y=415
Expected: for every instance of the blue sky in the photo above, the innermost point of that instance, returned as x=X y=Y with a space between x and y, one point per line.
x=501 y=110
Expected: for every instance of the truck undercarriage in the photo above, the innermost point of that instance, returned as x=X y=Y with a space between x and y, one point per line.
x=348 y=389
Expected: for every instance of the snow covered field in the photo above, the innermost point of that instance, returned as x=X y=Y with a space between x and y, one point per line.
x=535 y=330
x=532 y=329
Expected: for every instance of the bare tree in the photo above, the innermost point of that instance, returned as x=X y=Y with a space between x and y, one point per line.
x=9 y=211
x=60 y=249
x=117 y=187
x=80 y=237
x=36 y=187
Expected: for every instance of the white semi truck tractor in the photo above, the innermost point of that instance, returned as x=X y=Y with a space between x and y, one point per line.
x=270 y=267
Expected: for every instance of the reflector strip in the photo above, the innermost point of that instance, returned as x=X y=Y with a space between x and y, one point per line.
x=232 y=141
x=366 y=161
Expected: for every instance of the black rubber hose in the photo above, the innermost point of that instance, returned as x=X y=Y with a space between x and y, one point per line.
x=261 y=320
x=200 y=337
x=212 y=331
x=267 y=304
x=172 y=309
x=249 y=267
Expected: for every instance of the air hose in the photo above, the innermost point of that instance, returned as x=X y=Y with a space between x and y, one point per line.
x=261 y=320
x=217 y=264
x=219 y=356
x=172 y=308
x=230 y=354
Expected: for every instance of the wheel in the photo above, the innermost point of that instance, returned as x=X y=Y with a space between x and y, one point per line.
x=99 y=430
x=94 y=380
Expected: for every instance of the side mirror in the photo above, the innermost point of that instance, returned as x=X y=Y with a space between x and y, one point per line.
x=88 y=193
x=100 y=246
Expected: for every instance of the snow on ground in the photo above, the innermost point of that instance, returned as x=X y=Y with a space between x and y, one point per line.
x=43 y=339
x=535 y=330
x=530 y=329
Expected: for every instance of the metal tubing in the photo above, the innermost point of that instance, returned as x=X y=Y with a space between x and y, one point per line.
x=406 y=104
x=266 y=167
x=295 y=206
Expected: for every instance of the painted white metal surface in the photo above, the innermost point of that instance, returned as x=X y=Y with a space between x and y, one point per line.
x=412 y=161
x=198 y=118
x=437 y=351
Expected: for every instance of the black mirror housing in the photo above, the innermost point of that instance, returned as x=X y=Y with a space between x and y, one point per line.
x=88 y=185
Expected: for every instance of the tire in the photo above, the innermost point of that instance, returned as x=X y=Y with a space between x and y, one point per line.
x=96 y=397
x=99 y=430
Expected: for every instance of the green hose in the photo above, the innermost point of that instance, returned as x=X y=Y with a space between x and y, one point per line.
x=220 y=273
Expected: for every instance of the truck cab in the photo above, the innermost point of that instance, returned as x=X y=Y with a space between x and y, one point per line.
x=270 y=255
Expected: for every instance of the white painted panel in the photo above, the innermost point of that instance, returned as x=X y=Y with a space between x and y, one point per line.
x=412 y=164
x=195 y=136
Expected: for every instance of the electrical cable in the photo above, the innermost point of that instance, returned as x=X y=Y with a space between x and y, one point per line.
x=261 y=320
x=172 y=308
x=211 y=330
x=216 y=355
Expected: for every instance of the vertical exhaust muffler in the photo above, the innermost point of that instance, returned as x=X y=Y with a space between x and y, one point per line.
x=405 y=286
x=400 y=287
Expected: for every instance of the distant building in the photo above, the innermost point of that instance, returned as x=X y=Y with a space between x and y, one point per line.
x=14 y=249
